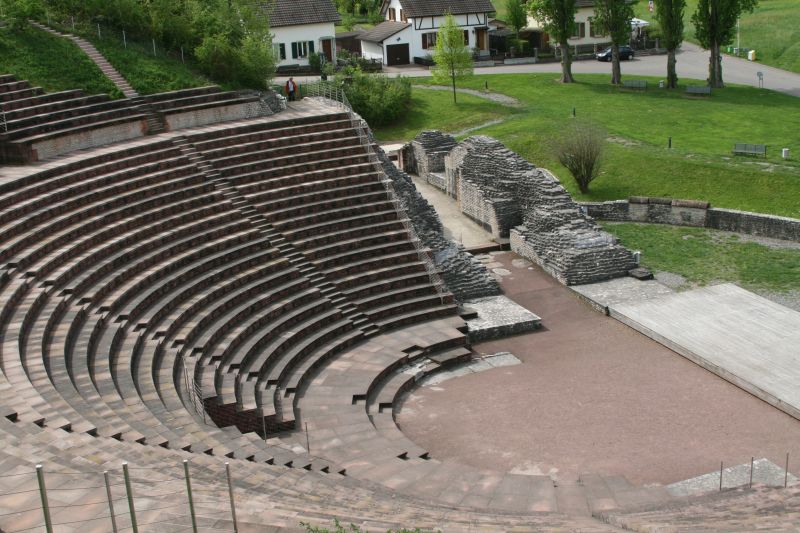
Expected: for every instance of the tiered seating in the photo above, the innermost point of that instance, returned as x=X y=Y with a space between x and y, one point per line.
x=186 y=100
x=32 y=118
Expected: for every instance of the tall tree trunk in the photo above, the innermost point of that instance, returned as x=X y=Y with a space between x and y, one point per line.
x=616 y=72
x=672 y=74
x=715 y=67
x=566 y=63
x=453 y=77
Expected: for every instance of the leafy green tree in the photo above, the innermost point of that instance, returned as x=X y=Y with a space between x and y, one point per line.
x=257 y=61
x=715 y=26
x=517 y=15
x=669 y=14
x=452 y=57
x=557 y=18
x=19 y=11
x=613 y=18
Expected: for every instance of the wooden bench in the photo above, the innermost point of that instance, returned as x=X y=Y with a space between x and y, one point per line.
x=750 y=149
x=700 y=90
x=635 y=84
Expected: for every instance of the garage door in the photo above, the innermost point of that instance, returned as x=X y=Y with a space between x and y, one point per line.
x=397 y=54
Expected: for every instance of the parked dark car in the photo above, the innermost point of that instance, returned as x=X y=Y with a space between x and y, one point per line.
x=625 y=52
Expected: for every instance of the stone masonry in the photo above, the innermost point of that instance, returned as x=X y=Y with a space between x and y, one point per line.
x=425 y=157
x=464 y=276
x=514 y=199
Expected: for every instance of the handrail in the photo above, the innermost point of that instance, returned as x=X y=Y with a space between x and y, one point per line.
x=333 y=93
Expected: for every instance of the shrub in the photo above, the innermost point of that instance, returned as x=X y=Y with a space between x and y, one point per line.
x=580 y=149
x=315 y=61
x=257 y=62
x=19 y=11
x=378 y=99
x=217 y=57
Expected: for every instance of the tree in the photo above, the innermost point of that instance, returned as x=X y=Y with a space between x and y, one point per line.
x=19 y=11
x=613 y=18
x=517 y=15
x=580 y=150
x=451 y=55
x=557 y=18
x=669 y=14
x=715 y=24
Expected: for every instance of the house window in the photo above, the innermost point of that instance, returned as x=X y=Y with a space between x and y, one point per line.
x=302 y=49
x=428 y=40
x=392 y=14
x=580 y=30
x=466 y=37
x=403 y=17
x=279 y=49
x=594 y=31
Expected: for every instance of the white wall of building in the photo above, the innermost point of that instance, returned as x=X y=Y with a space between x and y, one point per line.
x=372 y=50
x=582 y=16
x=286 y=35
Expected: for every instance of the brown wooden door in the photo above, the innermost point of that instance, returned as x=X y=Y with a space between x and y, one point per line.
x=327 y=49
x=480 y=38
x=397 y=54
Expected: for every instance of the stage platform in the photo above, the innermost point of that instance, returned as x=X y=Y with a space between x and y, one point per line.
x=743 y=338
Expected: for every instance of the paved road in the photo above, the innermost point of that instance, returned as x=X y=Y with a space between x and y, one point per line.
x=692 y=63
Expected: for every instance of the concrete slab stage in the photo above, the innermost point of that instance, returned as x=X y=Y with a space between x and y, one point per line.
x=743 y=338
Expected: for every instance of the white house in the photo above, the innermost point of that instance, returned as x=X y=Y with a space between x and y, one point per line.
x=585 y=33
x=410 y=28
x=301 y=28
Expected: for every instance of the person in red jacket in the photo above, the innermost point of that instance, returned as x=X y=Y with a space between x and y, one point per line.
x=292 y=88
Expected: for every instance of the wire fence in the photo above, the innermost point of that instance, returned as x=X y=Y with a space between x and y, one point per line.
x=127 y=499
x=334 y=93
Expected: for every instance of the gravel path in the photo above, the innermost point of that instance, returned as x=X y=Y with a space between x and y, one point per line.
x=493 y=97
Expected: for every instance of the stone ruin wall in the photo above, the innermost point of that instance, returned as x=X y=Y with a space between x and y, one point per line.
x=463 y=275
x=425 y=157
x=512 y=198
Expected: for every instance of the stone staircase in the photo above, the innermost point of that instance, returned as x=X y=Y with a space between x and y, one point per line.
x=105 y=67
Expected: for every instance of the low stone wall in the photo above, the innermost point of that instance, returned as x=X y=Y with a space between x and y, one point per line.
x=214 y=115
x=520 y=61
x=695 y=214
x=88 y=139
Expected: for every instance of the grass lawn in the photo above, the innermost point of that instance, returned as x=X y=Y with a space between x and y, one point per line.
x=772 y=30
x=638 y=162
x=703 y=256
x=49 y=62
x=428 y=105
x=146 y=73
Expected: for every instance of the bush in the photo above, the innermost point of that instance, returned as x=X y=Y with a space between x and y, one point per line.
x=580 y=150
x=378 y=99
x=217 y=57
x=257 y=62
x=315 y=61
x=19 y=11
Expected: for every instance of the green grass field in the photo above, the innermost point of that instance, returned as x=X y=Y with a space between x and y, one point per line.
x=50 y=62
x=704 y=256
x=699 y=166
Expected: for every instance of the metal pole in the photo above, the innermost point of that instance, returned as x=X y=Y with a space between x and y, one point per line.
x=134 y=525
x=308 y=444
x=189 y=493
x=154 y=47
x=73 y=23
x=182 y=59
x=110 y=502
x=124 y=39
x=98 y=31
x=230 y=494
x=786 y=472
x=751 y=472
x=48 y=524
x=720 y=476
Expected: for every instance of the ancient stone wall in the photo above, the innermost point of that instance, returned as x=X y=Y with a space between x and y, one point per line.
x=464 y=275
x=696 y=214
x=425 y=156
x=512 y=198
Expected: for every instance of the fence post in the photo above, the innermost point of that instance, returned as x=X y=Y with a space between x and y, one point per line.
x=110 y=502
x=154 y=47
x=134 y=525
x=98 y=31
x=48 y=524
x=189 y=493
x=124 y=39
x=73 y=24
x=230 y=494
x=182 y=59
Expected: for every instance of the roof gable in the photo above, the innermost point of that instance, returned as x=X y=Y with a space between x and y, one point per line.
x=435 y=8
x=295 y=12
x=383 y=31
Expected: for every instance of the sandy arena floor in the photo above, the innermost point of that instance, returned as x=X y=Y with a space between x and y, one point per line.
x=592 y=395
